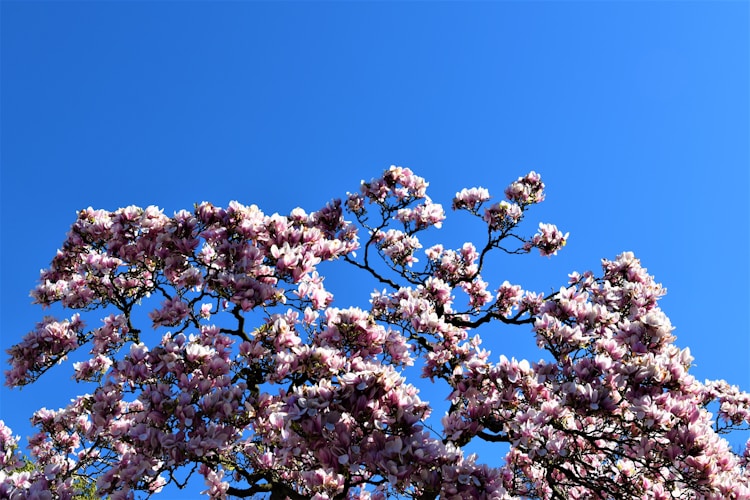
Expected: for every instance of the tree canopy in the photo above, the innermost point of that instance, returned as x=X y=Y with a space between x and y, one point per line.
x=248 y=374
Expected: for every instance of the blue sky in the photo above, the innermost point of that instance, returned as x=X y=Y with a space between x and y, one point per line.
x=635 y=113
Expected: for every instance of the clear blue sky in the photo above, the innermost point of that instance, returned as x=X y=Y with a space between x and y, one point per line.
x=635 y=113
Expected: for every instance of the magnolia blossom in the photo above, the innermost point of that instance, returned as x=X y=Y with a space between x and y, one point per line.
x=213 y=351
x=398 y=246
x=470 y=199
x=526 y=190
x=503 y=215
x=548 y=240
x=422 y=216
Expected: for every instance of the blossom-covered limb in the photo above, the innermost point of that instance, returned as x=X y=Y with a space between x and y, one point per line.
x=221 y=354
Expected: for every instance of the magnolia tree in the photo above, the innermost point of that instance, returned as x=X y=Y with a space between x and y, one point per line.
x=256 y=382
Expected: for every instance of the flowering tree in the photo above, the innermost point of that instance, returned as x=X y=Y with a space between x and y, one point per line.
x=257 y=383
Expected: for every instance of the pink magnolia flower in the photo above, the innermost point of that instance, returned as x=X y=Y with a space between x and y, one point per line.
x=470 y=199
x=549 y=239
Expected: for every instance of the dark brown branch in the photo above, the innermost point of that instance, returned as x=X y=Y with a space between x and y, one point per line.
x=493 y=438
x=370 y=270
x=278 y=491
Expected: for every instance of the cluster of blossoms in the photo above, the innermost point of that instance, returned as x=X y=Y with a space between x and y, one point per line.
x=49 y=343
x=503 y=215
x=548 y=240
x=398 y=246
x=311 y=401
x=422 y=216
x=526 y=190
x=470 y=199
